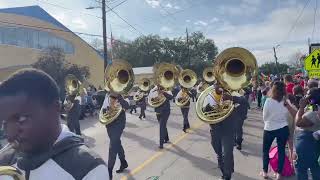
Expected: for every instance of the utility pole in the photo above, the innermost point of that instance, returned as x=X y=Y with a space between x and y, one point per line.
x=104 y=24
x=188 y=47
x=276 y=58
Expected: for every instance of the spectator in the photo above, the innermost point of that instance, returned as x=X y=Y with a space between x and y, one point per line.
x=275 y=113
x=308 y=122
x=288 y=80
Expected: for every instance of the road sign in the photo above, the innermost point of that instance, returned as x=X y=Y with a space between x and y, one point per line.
x=312 y=62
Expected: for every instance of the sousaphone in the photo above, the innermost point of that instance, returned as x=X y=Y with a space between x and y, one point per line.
x=187 y=80
x=144 y=86
x=233 y=69
x=119 y=79
x=165 y=77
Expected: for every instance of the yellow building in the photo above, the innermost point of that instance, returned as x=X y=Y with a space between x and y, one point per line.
x=26 y=31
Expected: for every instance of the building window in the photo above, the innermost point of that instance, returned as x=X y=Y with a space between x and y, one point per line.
x=31 y=38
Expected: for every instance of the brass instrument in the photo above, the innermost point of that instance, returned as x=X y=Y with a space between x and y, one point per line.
x=233 y=69
x=144 y=86
x=165 y=76
x=208 y=77
x=13 y=172
x=73 y=88
x=187 y=80
x=119 y=79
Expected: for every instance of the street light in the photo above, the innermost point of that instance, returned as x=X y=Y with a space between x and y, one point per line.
x=93 y=7
x=105 y=50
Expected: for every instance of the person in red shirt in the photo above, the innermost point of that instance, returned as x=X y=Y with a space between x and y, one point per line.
x=288 y=80
x=300 y=81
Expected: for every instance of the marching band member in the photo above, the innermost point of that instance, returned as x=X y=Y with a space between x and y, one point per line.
x=115 y=130
x=45 y=149
x=143 y=106
x=185 y=109
x=163 y=113
x=223 y=133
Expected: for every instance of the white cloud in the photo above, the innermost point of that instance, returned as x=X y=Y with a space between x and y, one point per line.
x=169 y=5
x=188 y=20
x=166 y=29
x=246 y=7
x=214 y=20
x=153 y=3
x=261 y=37
x=252 y=2
x=201 y=23
x=61 y=17
x=79 y=23
x=177 y=7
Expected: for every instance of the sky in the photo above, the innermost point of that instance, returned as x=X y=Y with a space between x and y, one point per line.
x=253 y=24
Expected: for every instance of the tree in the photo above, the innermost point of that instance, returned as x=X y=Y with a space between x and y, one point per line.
x=148 y=50
x=53 y=62
x=270 y=68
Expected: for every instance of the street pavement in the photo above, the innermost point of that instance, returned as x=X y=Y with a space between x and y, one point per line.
x=189 y=156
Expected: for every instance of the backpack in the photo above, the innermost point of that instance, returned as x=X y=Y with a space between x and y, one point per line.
x=287 y=168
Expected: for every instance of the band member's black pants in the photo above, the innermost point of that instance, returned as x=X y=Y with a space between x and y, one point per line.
x=163 y=119
x=222 y=141
x=239 y=131
x=115 y=130
x=185 y=113
x=133 y=108
x=74 y=125
x=142 y=113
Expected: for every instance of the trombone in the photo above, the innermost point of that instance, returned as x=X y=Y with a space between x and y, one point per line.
x=119 y=79
x=11 y=171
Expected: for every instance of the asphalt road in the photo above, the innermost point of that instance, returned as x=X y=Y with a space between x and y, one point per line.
x=189 y=156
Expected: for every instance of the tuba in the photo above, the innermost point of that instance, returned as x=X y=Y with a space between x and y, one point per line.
x=233 y=69
x=144 y=86
x=72 y=88
x=72 y=85
x=208 y=77
x=13 y=172
x=119 y=79
x=187 y=80
x=165 y=76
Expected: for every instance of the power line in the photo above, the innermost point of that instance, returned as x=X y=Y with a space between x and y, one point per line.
x=116 y=5
x=54 y=29
x=124 y=20
x=59 y=6
x=296 y=21
x=314 y=19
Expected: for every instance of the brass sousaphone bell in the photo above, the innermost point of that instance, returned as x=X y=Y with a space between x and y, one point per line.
x=208 y=77
x=165 y=75
x=119 y=79
x=233 y=69
x=144 y=86
x=187 y=79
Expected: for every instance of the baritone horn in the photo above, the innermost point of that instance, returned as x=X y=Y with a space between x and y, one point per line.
x=165 y=77
x=11 y=171
x=144 y=86
x=233 y=69
x=187 y=79
x=119 y=79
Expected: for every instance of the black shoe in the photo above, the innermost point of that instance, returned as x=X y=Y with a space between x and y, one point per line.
x=123 y=166
x=110 y=173
x=161 y=146
x=239 y=147
x=140 y=117
x=184 y=128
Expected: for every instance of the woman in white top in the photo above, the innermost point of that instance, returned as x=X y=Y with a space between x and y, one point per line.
x=275 y=113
